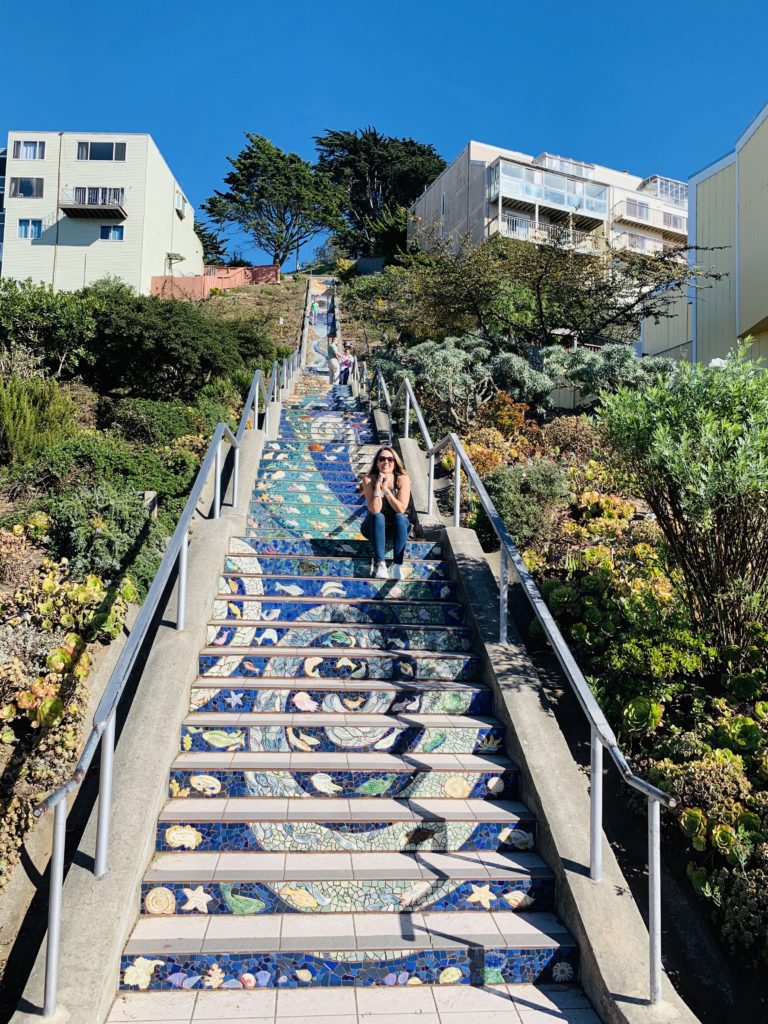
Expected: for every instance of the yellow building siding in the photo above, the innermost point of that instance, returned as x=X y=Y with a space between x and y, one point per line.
x=671 y=336
x=753 y=235
x=716 y=229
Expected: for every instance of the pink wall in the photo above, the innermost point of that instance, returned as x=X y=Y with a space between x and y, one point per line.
x=199 y=287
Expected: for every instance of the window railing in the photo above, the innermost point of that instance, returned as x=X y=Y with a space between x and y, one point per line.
x=527 y=230
x=602 y=736
x=103 y=730
x=89 y=195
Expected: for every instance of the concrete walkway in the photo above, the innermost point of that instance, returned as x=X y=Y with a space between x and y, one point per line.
x=454 y=1004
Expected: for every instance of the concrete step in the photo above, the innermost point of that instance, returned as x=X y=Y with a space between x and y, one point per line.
x=338 y=950
x=354 y=733
x=327 y=825
x=256 y=610
x=308 y=695
x=243 y=585
x=338 y=883
x=341 y=665
x=327 y=567
x=350 y=776
x=238 y=639
x=328 y=547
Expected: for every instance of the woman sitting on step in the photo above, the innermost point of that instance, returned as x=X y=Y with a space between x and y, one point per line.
x=387 y=492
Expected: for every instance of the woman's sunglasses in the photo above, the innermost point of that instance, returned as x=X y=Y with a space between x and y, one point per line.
x=386 y=458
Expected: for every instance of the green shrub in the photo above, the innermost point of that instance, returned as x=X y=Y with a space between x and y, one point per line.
x=525 y=497
x=148 y=421
x=571 y=437
x=97 y=529
x=33 y=415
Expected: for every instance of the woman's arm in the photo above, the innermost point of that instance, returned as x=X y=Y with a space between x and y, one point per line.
x=372 y=495
x=399 y=503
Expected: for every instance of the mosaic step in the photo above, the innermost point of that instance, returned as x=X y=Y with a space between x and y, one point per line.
x=340 y=665
x=515 y=891
x=310 y=449
x=352 y=636
x=343 y=532
x=348 y=950
x=325 y=825
x=318 y=566
x=309 y=695
x=395 y=733
x=252 y=610
x=242 y=585
x=326 y=546
x=296 y=498
x=286 y=512
x=303 y=474
x=349 y=776
x=315 y=488
x=336 y=457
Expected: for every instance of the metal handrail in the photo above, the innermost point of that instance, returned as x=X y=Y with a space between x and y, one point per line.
x=103 y=729
x=602 y=735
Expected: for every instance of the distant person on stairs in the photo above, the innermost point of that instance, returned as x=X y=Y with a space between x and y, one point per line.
x=333 y=361
x=345 y=365
x=387 y=492
x=314 y=311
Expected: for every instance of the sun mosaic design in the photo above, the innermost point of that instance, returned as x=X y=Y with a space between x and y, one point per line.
x=346 y=896
x=335 y=836
x=343 y=968
x=459 y=701
x=428 y=783
x=397 y=739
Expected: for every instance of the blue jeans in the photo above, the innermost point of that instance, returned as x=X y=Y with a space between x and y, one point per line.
x=375 y=529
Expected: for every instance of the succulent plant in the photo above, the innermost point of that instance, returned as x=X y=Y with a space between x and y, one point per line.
x=642 y=714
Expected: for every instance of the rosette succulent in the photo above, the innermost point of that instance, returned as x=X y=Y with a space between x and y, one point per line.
x=642 y=714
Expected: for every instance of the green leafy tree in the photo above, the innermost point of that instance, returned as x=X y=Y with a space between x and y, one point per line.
x=55 y=326
x=697 y=444
x=278 y=199
x=613 y=367
x=377 y=174
x=214 y=246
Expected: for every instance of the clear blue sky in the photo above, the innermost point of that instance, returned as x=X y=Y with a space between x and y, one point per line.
x=651 y=88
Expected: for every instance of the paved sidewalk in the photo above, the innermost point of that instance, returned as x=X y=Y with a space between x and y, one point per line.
x=454 y=1004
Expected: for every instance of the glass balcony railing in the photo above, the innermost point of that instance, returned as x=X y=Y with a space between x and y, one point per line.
x=515 y=181
x=526 y=230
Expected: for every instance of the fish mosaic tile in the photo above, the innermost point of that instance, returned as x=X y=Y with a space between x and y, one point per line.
x=296 y=586
x=380 y=612
x=333 y=836
x=326 y=546
x=328 y=567
x=466 y=701
x=360 y=666
x=427 y=783
x=245 y=899
x=304 y=634
x=330 y=969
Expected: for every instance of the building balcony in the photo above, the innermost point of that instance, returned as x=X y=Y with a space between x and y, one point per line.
x=96 y=202
x=636 y=211
x=531 y=186
x=636 y=242
x=558 y=234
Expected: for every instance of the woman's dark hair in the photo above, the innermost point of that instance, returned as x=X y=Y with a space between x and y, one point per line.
x=400 y=469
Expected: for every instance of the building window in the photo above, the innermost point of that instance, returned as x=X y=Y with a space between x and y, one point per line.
x=640 y=211
x=111 y=232
x=26 y=188
x=30 y=228
x=25 y=150
x=636 y=241
x=93 y=195
x=181 y=205
x=101 y=151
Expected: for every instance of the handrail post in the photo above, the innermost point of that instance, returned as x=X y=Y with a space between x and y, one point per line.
x=217 y=483
x=503 y=595
x=181 y=585
x=456 y=489
x=54 y=908
x=431 y=485
x=235 y=476
x=407 y=413
x=596 y=809
x=654 y=898
x=100 y=865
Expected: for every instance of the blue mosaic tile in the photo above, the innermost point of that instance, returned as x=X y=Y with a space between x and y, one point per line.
x=378 y=612
x=329 y=970
x=297 y=586
x=307 y=565
x=353 y=636
x=463 y=700
x=413 y=665
x=329 y=547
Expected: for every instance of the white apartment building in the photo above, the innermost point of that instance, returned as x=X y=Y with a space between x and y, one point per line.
x=83 y=205
x=488 y=190
x=2 y=205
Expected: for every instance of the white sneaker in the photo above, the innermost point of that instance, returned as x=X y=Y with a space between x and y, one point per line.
x=382 y=573
x=396 y=572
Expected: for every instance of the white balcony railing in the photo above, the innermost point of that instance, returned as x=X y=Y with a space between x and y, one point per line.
x=636 y=242
x=526 y=230
x=636 y=211
x=90 y=196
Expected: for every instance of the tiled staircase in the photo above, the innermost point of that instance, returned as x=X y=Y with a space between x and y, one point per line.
x=341 y=810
